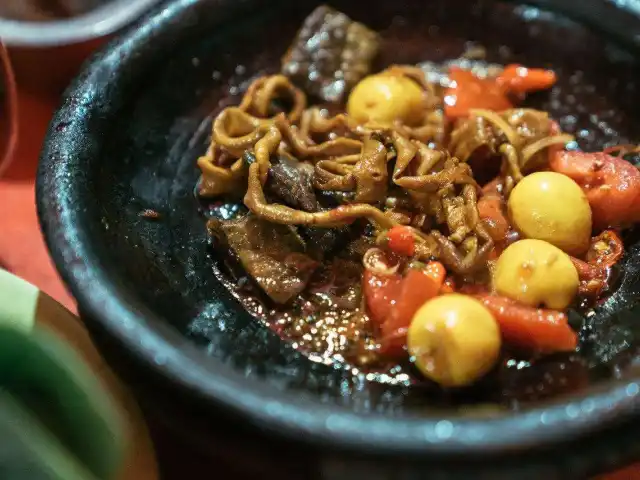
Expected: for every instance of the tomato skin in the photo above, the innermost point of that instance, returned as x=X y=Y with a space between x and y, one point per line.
x=469 y=92
x=449 y=286
x=394 y=345
x=493 y=188
x=401 y=240
x=611 y=184
x=491 y=211
x=392 y=301
x=381 y=294
x=587 y=271
x=531 y=329
x=418 y=286
x=519 y=79
x=605 y=251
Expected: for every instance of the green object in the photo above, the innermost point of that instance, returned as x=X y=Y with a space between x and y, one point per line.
x=31 y=452
x=56 y=419
x=18 y=302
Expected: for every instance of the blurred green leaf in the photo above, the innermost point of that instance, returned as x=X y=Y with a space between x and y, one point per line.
x=57 y=394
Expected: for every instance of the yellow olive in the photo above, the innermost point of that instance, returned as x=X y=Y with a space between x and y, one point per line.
x=550 y=206
x=455 y=340
x=536 y=273
x=385 y=98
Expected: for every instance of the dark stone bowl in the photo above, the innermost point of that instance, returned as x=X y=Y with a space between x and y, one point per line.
x=126 y=139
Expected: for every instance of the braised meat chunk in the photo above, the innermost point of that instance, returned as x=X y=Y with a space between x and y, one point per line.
x=330 y=54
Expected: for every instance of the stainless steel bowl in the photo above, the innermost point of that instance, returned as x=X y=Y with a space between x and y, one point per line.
x=98 y=22
x=47 y=54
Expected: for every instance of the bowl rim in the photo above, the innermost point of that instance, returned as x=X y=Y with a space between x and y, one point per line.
x=96 y=23
x=166 y=351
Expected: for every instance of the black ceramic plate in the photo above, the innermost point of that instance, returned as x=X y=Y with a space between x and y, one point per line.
x=127 y=137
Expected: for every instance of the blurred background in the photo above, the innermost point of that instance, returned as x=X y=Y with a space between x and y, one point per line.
x=43 y=44
x=46 y=41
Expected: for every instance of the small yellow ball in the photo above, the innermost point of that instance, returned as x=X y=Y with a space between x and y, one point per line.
x=536 y=273
x=385 y=98
x=455 y=340
x=552 y=207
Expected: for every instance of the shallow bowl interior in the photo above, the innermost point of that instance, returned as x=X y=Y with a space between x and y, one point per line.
x=127 y=137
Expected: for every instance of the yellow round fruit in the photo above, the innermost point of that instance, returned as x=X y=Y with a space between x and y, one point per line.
x=385 y=98
x=535 y=273
x=552 y=207
x=455 y=340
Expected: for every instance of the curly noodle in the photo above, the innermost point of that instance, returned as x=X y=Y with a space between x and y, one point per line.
x=393 y=175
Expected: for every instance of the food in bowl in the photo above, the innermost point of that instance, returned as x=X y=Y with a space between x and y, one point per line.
x=414 y=223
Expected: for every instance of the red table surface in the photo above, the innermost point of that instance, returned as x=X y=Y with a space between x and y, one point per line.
x=23 y=252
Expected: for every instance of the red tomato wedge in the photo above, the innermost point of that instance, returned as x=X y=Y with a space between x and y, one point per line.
x=519 y=79
x=418 y=286
x=381 y=294
x=401 y=240
x=611 y=184
x=491 y=210
x=531 y=329
x=392 y=301
x=468 y=92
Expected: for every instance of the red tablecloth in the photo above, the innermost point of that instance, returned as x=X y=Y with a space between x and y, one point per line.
x=22 y=251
